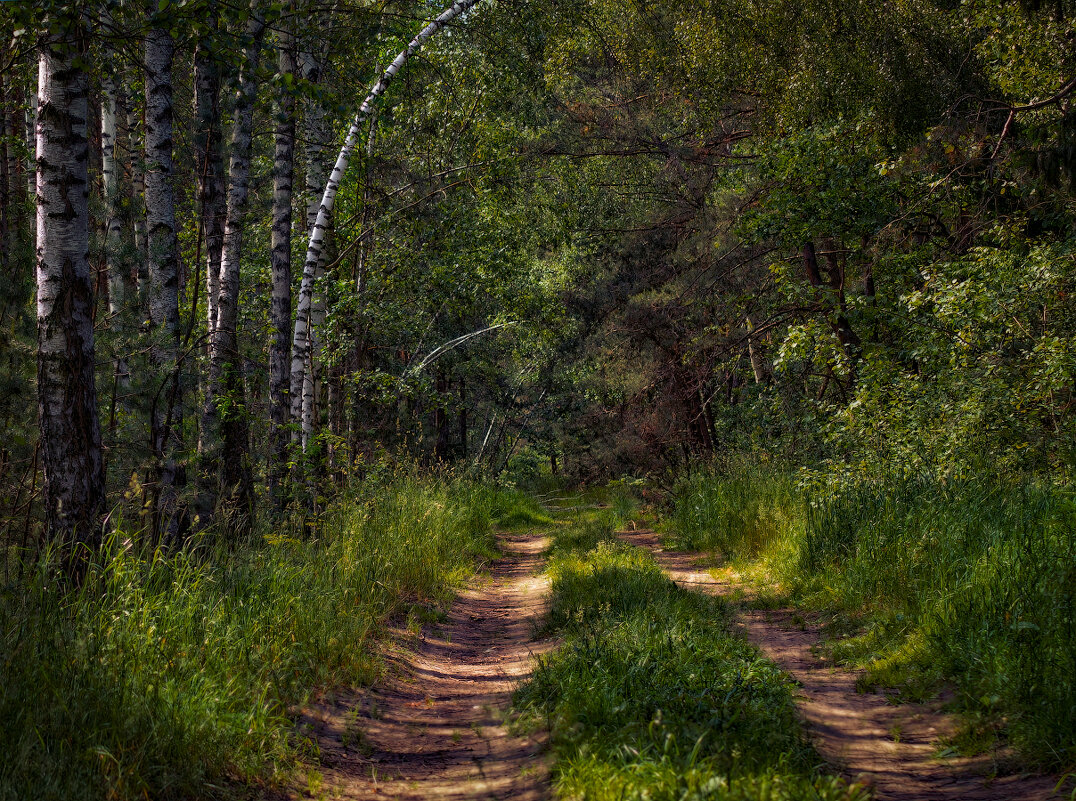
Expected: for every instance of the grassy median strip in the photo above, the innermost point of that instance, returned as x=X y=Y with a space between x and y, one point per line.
x=652 y=696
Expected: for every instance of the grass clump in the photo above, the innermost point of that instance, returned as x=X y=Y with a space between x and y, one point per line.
x=651 y=696
x=969 y=581
x=177 y=676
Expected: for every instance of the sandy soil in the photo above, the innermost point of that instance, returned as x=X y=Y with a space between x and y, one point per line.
x=890 y=747
x=435 y=728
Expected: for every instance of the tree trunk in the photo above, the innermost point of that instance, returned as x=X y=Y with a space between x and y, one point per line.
x=463 y=418
x=111 y=107
x=31 y=164
x=440 y=419
x=209 y=169
x=163 y=271
x=280 y=264
x=67 y=398
x=301 y=341
x=754 y=352
x=135 y=128
x=225 y=363
x=316 y=135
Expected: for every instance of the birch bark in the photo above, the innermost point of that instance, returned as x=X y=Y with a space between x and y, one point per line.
x=67 y=399
x=301 y=340
x=225 y=367
x=163 y=271
x=316 y=136
x=280 y=265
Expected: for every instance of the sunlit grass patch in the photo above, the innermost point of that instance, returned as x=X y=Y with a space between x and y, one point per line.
x=652 y=697
x=968 y=582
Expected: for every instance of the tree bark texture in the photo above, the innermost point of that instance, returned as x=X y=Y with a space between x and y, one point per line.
x=67 y=399
x=225 y=364
x=280 y=266
x=163 y=270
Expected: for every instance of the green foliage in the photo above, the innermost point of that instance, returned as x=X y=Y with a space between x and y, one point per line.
x=651 y=696
x=968 y=580
x=176 y=676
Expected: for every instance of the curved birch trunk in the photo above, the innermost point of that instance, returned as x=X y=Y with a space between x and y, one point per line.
x=225 y=367
x=67 y=398
x=301 y=342
x=163 y=271
x=280 y=266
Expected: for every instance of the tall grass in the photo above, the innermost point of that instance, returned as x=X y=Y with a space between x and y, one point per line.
x=971 y=581
x=651 y=696
x=178 y=676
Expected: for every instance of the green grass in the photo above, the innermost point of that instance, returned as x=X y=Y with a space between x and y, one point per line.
x=179 y=677
x=651 y=696
x=970 y=582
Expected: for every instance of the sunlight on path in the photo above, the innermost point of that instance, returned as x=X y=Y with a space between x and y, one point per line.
x=435 y=728
x=887 y=746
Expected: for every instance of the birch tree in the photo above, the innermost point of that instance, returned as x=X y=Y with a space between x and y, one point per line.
x=163 y=265
x=316 y=136
x=301 y=340
x=67 y=398
x=225 y=369
x=280 y=260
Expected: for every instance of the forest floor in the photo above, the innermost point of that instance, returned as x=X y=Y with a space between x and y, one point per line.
x=435 y=727
x=891 y=747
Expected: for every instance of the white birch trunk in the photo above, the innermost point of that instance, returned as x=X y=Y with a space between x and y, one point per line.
x=163 y=268
x=280 y=265
x=754 y=353
x=225 y=368
x=67 y=398
x=110 y=186
x=301 y=342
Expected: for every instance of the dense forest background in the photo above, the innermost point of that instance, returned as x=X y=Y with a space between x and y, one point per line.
x=832 y=241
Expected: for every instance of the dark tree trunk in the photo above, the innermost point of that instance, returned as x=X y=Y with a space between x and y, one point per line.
x=67 y=398
x=440 y=419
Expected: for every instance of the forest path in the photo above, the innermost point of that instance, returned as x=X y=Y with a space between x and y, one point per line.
x=435 y=728
x=890 y=747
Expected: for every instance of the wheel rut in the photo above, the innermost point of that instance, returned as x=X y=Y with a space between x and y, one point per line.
x=889 y=747
x=435 y=727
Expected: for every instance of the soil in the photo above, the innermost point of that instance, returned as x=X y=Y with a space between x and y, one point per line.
x=871 y=740
x=436 y=728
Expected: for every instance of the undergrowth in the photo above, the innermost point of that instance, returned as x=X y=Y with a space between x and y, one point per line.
x=177 y=676
x=651 y=696
x=969 y=581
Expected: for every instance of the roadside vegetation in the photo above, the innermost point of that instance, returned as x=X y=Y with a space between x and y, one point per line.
x=178 y=675
x=967 y=581
x=651 y=694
